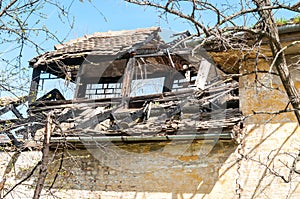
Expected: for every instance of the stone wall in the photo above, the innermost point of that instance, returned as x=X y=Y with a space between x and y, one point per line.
x=263 y=92
x=170 y=169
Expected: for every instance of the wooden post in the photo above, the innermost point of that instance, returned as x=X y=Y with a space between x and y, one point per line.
x=126 y=86
x=34 y=85
x=80 y=85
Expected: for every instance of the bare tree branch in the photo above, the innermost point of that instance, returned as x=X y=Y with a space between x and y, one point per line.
x=7 y=7
x=23 y=180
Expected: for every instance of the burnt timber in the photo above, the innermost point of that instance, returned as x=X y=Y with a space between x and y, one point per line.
x=111 y=70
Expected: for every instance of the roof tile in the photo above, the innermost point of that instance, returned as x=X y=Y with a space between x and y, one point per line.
x=99 y=43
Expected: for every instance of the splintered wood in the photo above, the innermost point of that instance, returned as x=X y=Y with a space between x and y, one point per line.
x=193 y=111
x=180 y=113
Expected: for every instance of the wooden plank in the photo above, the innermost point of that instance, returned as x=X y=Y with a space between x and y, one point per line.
x=13 y=139
x=203 y=73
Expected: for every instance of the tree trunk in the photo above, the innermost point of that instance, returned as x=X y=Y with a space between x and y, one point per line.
x=270 y=27
x=45 y=158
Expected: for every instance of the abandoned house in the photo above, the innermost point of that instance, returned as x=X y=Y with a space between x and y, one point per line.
x=142 y=116
x=132 y=86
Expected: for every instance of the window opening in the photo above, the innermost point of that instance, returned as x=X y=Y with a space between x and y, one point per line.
x=103 y=90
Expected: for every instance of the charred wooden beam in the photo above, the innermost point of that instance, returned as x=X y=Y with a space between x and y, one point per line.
x=5 y=109
x=16 y=112
x=34 y=85
x=13 y=108
x=54 y=94
x=13 y=140
x=168 y=82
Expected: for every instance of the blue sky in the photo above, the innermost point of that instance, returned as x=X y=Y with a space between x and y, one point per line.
x=119 y=15
x=105 y=15
x=102 y=16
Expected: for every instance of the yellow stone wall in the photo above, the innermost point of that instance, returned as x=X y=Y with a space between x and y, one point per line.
x=180 y=170
x=161 y=169
x=262 y=92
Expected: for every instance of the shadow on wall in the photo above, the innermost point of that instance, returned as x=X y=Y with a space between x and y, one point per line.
x=174 y=167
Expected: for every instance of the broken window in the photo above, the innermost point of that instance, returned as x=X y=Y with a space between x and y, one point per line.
x=100 y=79
x=49 y=82
x=149 y=86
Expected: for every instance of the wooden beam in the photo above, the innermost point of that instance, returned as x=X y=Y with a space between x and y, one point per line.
x=80 y=86
x=34 y=85
x=16 y=112
x=169 y=77
x=13 y=139
x=126 y=86
x=5 y=109
x=141 y=138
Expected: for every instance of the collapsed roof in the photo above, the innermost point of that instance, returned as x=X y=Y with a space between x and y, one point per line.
x=111 y=45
